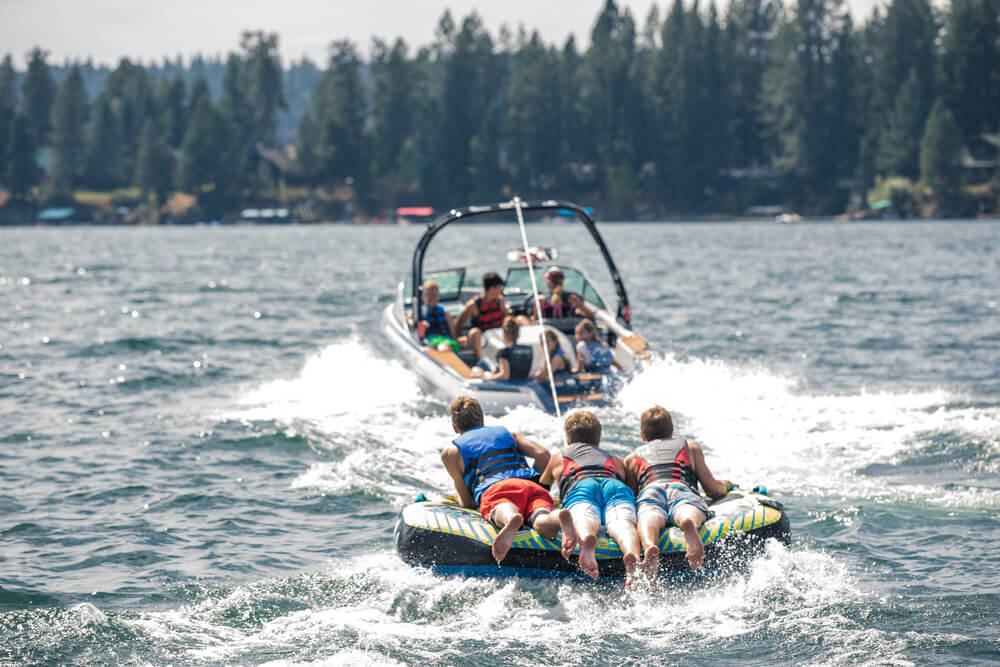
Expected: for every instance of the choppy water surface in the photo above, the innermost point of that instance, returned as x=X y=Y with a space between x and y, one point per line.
x=205 y=445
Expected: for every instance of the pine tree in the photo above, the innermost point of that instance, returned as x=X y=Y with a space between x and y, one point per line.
x=8 y=109
x=38 y=92
x=899 y=142
x=392 y=112
x=69 y=115
x=130 y=94
x=970 y=62
x=170 y=108
x=22 y=171
x=202 y=168
x=907 y=41
x=263 y=87
x=153 y=163
x=103 y=150
x=940 y=152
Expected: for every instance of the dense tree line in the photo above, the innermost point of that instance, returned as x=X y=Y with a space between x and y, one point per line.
x=696 y=110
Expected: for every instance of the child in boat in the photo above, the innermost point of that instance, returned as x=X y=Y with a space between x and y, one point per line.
x=436 y=327
x=486 y=311
x=513 y=361
x=490 y=472
x=592 y=353
x=665 y=472
x=558 y=359
x=592 y=487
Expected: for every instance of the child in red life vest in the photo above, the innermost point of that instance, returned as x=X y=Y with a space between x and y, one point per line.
x=665 y=473
x=592 y=488
x=486 y=311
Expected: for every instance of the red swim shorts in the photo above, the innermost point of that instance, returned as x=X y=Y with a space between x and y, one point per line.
x=526 y=495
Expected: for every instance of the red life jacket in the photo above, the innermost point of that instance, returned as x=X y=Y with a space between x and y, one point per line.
x=580 y=461
x=665 y=461
x=490 y=315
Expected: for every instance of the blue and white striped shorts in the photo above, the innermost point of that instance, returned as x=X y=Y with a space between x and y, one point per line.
x=665 y=499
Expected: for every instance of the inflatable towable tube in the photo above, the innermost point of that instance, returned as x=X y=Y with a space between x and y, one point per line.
x=456 y=540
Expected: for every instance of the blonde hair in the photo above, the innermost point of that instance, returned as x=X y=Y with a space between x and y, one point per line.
x=588 y=328
x=432 y=283
x=511 y=329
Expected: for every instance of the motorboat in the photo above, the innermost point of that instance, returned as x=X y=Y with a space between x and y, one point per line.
x=449 y=374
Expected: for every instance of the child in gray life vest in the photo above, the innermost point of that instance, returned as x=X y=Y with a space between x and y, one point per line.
x=665 y=473
x=592 y=487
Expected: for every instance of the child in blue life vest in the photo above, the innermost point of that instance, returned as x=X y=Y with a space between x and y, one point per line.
x=592 y=487
x=436 y=326
x=490 y=472
x=592 y=353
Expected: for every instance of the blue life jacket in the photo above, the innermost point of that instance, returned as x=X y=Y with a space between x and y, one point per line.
x=600 y=356
x=436 y=321
x=490 y=455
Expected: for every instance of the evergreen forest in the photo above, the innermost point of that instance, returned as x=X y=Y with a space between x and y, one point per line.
x=694 y=110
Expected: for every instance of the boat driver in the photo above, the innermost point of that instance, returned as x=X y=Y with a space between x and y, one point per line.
x=489 y=469
x=486 y=311
x=665 y=472
x=559 y=302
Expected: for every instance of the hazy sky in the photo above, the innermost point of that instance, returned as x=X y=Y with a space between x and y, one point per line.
x=107 y=30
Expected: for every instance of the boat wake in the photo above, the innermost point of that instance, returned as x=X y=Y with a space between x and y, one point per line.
x=761 y=427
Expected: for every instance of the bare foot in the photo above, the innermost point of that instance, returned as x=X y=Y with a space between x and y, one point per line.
x=588 y=561
x=503 y=540
x=651 y=563
x=569 y=536
x=630 y=560
x=695 y=549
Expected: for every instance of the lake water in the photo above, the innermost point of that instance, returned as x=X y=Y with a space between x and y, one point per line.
x=205 y=445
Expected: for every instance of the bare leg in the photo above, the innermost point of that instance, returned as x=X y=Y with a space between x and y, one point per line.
x=569 y=537
x=586 y=529
x=624 y=533
x=550 y=524
x=476 y=342
x=689 y=519
x=650 y=527
x=547 y=525
x=510 y=521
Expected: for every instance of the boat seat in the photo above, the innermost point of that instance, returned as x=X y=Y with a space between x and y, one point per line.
x=451 y=360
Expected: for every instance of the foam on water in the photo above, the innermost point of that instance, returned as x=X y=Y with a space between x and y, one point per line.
x=376 y=610
x=758 y=427
x=343 y=384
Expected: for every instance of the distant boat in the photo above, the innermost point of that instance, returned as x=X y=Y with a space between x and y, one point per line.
x=451 y=375
x=787 y=218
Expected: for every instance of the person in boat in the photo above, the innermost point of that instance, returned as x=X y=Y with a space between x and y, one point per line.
x=558 y=359
x=436 y=326
x=665 y=472
x=592 y=487
x=486 y=311
x=513 y=361
x=560 y=302
x=491 y=473
x=592 y=353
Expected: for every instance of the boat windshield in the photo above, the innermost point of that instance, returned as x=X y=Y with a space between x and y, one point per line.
x=519 y=284
x=449 y=283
